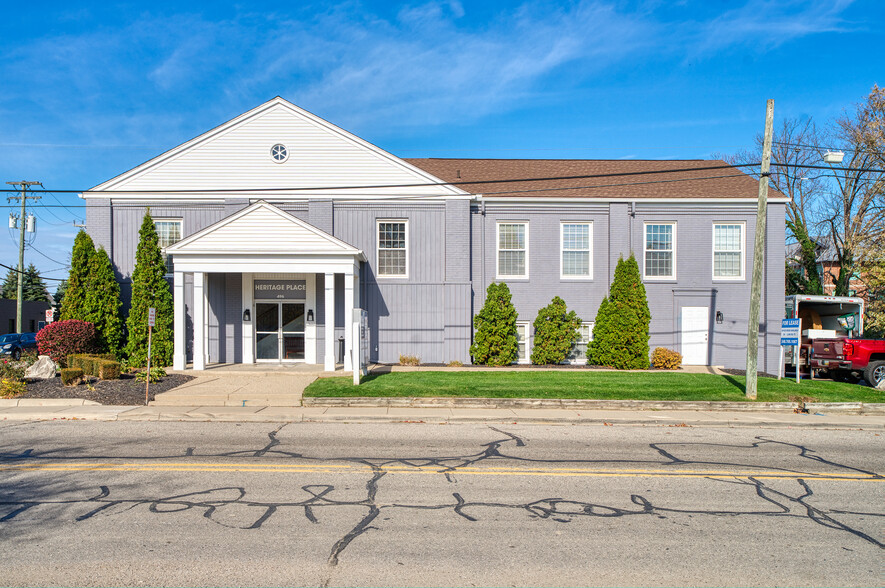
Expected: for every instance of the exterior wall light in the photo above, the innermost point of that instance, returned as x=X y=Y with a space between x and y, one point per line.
x=247 y=315
x=310 y=315
x=719 y=317
x=833 y=156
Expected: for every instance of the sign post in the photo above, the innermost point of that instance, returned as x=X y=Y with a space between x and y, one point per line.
x=49 y=314
x=790 y=337
x=152 y=319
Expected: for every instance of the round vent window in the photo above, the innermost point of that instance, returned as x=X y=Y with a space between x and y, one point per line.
x=279 y=153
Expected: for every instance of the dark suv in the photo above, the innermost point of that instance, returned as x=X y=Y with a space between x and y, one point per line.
x=15 y=343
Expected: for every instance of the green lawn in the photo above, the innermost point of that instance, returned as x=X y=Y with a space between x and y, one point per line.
x=588 y=384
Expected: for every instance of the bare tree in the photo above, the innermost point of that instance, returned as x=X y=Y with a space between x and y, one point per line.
x=854 y=210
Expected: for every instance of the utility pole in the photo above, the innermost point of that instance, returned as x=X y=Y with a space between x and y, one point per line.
x=758 y=256
x=23 y=221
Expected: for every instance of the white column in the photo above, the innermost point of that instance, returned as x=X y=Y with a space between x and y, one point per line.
x=179 y=324
x=200 y=292
x=248 y=328
x=348 y=321
x=329 y=360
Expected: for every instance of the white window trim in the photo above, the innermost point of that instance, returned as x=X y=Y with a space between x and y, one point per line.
x=378 y=222
x=528 y=343
x=589 y=224
x=670 y=278
x=180 y=222
x=743 y=275
x=498 y=274
x=576 y=361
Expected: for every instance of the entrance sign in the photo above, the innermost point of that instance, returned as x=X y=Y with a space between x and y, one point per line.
x=360 y=351
x=280 y=289
x=790 y=331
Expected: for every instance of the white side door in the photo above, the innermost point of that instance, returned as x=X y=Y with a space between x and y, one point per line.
x=695 y=325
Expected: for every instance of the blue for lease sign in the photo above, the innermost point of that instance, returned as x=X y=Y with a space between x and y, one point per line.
x=790 y=331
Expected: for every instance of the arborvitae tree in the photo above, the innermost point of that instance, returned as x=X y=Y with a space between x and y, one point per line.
x=33 y=287
x=495 y=342
x=556 y=330
x=149 y=289
x=620 y=335
x=102 y=303
x=73 y=305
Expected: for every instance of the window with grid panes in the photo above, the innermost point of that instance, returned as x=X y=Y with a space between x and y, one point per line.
x=578 y=353
x=575 y=250
x=728 y=250
x=522 y=340
x=512 y=250
x=168 y=233
x=392 y=255
x=659 y=253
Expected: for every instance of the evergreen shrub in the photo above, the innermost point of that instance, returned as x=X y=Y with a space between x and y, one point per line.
x=71 y=376
x=620 y=334
x=108 y=370
x=73 y=306
x=666 y=359
x=556 y=330
x=64 y=338
x=494 y=341
x=149 y=290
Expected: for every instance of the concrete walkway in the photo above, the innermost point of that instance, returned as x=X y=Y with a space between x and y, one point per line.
x=238 y=389
x=56 y=409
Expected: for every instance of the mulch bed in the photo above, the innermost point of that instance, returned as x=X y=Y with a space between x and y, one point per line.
x=125 y=391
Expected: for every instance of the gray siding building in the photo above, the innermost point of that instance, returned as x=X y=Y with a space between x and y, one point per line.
x=278 y=224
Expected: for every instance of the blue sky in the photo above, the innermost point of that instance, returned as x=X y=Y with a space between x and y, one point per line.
x=94 y=89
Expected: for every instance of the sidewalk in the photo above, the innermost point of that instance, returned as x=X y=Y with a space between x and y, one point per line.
x=55 y=409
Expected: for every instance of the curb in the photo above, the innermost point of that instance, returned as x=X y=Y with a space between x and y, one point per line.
x=847 y=408
x=15 y=402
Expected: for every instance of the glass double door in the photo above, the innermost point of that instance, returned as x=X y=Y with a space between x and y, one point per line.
x=279 y=331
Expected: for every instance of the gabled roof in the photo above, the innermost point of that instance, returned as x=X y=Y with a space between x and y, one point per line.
x=236 y=157
x=665 y=178
x=263 y=229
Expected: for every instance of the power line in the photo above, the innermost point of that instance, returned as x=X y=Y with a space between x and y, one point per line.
x=46 y=256
x=42 y=277
x=821 y=147
x=612 y=185
x=415 y=185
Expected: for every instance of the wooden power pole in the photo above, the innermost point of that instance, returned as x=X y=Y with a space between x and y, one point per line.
x=21 y=246
x=759 y=256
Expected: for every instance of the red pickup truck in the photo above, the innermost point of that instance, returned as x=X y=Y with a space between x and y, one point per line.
x=848 y=359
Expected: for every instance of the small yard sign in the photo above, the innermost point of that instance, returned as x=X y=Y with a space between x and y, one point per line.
x=152 y=317
x=49 y=316
x=790 y=331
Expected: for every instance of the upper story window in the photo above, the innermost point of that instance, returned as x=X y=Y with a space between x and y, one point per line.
x=513 y=248
x=728 y=251
x=169 y=233
x=392 y=248
x=279 y=153
x=660 y=251
x=576 y=259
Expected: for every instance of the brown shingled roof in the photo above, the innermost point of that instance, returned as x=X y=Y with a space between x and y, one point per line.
x=693 y=182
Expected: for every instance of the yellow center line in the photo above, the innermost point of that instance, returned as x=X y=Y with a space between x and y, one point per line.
x=435 y=470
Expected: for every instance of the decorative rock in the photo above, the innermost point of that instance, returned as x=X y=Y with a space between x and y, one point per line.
x=43 y=369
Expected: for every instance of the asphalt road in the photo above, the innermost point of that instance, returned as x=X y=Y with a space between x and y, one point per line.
x=205 y=504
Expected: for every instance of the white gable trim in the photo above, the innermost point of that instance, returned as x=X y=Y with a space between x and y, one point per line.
x=191 y=245
x=114 y=184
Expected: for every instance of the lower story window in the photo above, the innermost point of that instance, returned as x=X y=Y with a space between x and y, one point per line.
x=579 y=349
x=523 y=342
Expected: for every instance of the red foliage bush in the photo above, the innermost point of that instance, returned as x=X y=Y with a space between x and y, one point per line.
x=60 y=339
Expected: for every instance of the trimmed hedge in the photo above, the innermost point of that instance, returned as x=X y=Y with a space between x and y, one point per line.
x=556 y=330
x=102 y=365
x=495 y=341
x=71 y=376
